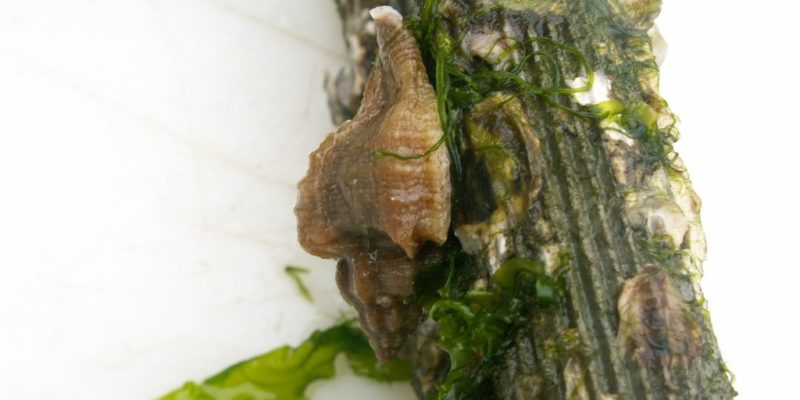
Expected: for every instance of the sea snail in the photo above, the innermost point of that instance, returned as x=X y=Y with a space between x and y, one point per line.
x=381 y=216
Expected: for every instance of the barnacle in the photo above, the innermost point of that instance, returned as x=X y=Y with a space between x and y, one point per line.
x=368 y=200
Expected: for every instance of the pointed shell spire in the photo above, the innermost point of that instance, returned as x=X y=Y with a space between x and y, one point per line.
x=353 y=200
x=375 y=212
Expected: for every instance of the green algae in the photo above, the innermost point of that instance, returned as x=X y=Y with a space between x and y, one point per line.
x=286 y=372
x=477 y=324
x=294 y=273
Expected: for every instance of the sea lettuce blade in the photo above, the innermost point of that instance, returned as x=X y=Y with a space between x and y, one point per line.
x=286 y=372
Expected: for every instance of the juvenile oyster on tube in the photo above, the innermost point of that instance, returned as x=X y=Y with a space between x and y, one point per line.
x=368 y=197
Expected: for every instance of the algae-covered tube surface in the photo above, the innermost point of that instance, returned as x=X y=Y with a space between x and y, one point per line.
x=507 y=208
x=573 y=264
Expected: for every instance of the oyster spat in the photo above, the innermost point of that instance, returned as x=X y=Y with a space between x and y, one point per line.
x=656 y=327
x=378 y=190
x=658 y=332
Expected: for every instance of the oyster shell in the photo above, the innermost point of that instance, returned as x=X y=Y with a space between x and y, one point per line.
x=656 y=326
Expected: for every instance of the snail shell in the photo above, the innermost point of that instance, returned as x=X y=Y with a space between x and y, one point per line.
x=376 y=212
x=378 y=284
x=352 y=200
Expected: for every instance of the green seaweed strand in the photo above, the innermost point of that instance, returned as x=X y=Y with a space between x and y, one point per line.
x=474 y=323
x=286 y=372
x=294 y=272
x=436 y=47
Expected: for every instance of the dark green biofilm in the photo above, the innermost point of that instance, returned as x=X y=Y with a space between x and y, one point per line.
x=566 y=260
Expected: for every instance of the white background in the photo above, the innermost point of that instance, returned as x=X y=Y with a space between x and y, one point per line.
x=149 y=151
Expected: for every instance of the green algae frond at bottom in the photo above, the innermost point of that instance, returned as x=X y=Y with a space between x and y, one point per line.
x=286 y=372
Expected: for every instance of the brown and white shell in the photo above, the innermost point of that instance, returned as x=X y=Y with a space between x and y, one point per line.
x=378 y=284
x=656 y=327
x=351 y=199
x=376 y=212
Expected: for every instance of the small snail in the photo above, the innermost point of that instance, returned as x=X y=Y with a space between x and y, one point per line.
x=376 y=212
x=379 y=285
